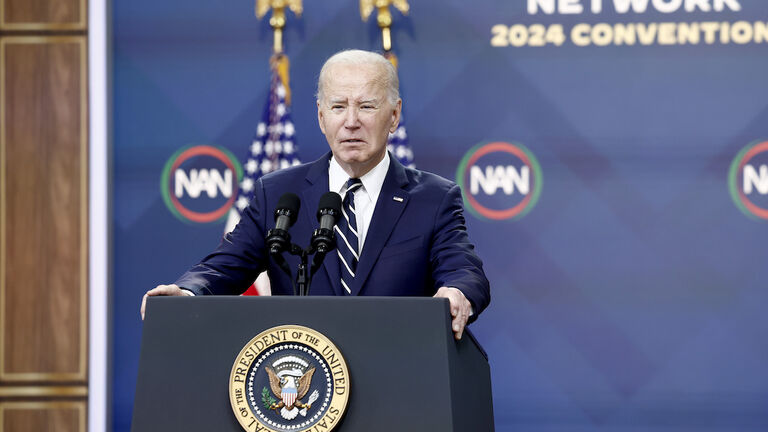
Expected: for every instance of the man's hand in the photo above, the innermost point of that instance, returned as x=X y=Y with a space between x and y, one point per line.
x=160 y=290
x=460 y=308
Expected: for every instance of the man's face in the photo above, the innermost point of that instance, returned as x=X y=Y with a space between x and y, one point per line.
x=356 y=116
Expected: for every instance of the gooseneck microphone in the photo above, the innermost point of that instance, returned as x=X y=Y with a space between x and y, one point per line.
x=328 y=211
x=278 y=239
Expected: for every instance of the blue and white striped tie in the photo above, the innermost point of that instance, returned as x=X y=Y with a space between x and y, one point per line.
x=348 y=243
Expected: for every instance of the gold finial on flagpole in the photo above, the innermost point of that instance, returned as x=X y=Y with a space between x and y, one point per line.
x=277 y=21
x=384 y=17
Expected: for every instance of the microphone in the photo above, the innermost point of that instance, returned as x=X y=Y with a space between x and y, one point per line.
x=328 y=211
x=323 y=239
x=286 y=213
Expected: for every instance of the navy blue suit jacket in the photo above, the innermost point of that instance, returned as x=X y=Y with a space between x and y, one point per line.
x=413 y=247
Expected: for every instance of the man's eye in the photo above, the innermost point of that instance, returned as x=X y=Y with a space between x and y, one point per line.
x=367 y=107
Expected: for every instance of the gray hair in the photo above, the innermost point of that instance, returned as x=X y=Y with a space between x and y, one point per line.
x=360 y=57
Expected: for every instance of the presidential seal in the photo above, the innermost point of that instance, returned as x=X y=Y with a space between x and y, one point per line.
x=289 y=378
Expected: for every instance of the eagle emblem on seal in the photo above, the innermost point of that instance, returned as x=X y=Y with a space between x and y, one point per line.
x=290 y=378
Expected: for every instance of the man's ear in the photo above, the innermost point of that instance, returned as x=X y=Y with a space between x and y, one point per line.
x=396 y=115
x=320 y=118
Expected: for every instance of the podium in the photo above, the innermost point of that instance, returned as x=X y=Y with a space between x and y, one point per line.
x=406 y=371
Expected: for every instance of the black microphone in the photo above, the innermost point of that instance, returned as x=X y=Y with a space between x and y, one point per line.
x=328 y=211
x=278 y=239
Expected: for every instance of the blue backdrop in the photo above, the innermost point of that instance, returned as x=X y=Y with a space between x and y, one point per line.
x=629 y=297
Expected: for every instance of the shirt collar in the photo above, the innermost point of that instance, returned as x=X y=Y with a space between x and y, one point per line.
x=373 y=180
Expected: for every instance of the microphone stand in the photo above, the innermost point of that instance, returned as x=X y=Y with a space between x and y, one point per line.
x=302 y=281
x=303 y=278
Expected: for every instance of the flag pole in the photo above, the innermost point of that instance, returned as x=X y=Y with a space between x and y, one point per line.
x=277 y=21
x=383 y=17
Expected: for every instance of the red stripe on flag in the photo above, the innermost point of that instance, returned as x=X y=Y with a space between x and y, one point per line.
x=251 y=291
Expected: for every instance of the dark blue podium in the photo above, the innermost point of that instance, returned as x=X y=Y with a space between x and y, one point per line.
x=407 y=372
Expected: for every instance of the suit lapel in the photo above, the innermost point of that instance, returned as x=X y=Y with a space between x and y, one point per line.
x=317 y=178
x=386 y=214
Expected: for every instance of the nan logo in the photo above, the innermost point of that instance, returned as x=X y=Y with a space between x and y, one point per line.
x=748 y=180
x=289 y=378
x=199 y=183
x=499 y=180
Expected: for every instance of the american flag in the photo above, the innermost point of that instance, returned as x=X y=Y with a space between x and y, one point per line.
x=273 y=147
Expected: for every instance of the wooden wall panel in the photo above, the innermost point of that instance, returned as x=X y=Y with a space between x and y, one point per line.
x=43 y=210
x=42 y=416
x=43 y=14
x=43 y=215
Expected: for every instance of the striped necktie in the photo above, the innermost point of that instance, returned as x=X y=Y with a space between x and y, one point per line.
x=348 y=243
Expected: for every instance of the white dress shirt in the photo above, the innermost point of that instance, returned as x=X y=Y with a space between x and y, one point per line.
x=365 y=196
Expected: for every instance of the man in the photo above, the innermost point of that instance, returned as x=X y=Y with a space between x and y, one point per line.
x=403 y=233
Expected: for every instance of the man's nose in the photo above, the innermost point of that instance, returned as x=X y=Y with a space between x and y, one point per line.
x=352 y=120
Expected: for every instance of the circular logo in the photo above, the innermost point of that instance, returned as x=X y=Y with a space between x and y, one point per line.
x=748 y=180
x=289 y=378
x=499 y=180
x=199 y=183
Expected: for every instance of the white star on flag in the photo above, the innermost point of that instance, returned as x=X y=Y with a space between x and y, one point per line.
x=251 y=166
x=256 y=148
x=247 y=184
x=266 y=166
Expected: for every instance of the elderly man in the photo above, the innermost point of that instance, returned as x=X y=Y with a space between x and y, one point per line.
x=403 y=233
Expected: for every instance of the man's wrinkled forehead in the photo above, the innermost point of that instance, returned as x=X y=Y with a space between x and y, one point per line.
x=357 y=95
x=354 y=82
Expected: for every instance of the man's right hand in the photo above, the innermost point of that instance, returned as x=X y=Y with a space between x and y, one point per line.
x=161 y=290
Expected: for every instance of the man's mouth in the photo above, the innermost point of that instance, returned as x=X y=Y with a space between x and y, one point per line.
x=352 y=141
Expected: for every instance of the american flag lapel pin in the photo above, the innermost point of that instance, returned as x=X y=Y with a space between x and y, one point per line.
x=397 y=198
